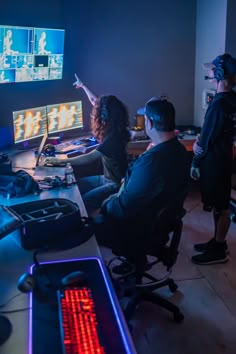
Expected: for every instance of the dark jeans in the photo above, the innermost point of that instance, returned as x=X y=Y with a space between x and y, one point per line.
x=95 y=189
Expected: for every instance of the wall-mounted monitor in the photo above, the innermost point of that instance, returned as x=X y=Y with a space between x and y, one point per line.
x=64 y=116
x=30 y=54
x=29 y=123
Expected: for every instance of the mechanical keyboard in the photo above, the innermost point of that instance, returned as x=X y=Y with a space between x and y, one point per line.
x=80 y=318
x=79 y=145
x=78 y=321
x=67 y=147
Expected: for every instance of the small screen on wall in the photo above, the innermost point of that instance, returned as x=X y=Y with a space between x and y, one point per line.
x=30 y=54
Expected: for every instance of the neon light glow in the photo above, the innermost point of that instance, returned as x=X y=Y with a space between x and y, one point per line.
x=79 y=322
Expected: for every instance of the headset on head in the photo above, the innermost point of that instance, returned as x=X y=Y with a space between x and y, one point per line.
x=219 y=72
x=104 y=114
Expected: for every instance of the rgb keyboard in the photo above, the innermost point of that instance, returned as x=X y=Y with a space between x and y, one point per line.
x=79 y=322
x=83 y=318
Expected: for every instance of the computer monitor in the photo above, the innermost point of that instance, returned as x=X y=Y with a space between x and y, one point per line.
x=30 y=54
x=64 y=116
x=29 y=123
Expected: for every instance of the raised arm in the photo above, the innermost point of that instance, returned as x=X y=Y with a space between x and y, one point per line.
x=79 y=84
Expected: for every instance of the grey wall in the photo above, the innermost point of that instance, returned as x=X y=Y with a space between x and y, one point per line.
x=136 y=49
x=210 y=42
x=230 y=42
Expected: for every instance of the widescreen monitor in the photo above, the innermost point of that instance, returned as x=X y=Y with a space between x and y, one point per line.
x=64 y=116
x=30 y=54
x=29 y=123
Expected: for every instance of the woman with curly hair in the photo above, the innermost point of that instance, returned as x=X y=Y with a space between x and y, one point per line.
x=110 y=126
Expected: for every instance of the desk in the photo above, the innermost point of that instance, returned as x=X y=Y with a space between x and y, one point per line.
x=137 y=147
x=14 y=261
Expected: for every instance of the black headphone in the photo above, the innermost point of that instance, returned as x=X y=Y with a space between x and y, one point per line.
x=219 y=73
x=28 y=282
x=104 y=114
x=3 y=158
x=49 y=150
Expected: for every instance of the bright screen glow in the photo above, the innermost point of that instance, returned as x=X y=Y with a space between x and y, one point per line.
x=30 y=54
x=29 y=123
x=64 y=116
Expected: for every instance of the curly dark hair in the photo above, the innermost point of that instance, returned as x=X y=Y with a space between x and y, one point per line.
x=110 y=114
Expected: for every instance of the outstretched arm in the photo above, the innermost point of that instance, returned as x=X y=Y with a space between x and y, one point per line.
x=83 y=159
x=79 y=84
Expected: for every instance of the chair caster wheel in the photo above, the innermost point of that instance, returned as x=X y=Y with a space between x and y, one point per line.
x=178 y=317
x=173 y=287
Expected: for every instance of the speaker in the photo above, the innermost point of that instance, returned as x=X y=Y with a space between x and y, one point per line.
x=104 y=114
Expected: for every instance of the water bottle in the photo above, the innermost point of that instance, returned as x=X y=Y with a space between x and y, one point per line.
x=69 y=175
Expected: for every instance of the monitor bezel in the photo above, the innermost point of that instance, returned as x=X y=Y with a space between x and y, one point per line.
x=67 y=129
x=41 y=108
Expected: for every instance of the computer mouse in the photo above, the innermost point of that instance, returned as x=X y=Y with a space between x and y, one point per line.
x=48 y=164
x=26 y=283
x=74 y=278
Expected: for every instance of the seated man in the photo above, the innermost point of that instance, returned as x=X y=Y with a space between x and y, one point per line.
x=156 y=179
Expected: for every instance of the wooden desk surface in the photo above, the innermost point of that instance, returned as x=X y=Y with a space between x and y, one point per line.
x=137 y=147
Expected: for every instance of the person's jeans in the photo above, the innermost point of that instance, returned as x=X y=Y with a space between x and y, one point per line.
x=95 y=189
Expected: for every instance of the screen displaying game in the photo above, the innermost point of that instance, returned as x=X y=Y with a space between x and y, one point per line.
x=64 y=116
x=29 y=123
x=30 y=54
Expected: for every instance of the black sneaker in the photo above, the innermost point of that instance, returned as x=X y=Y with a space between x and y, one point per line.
x=213 y=255
x=202 y=247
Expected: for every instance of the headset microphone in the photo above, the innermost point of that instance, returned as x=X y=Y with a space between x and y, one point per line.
x=208 y=78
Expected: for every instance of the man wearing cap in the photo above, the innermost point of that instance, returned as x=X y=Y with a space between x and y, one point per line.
x=213 y=158
x=156 y=179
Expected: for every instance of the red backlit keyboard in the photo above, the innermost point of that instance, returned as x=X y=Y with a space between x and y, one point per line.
x=79 y=322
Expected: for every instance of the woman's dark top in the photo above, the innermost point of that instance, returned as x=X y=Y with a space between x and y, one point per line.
x=114 y=156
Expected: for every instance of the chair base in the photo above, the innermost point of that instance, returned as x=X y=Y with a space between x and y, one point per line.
x=145 y=294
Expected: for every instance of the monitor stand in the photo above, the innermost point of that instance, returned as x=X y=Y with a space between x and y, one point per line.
x=5 y=329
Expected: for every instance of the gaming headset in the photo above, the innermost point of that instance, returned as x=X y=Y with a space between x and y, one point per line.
x=49 y=150
x=104 y=114
x=219 y=73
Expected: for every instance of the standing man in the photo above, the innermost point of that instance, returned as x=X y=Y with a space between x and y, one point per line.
x=213 y=158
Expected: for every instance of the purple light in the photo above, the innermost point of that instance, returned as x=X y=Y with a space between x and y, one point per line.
x=127 y=341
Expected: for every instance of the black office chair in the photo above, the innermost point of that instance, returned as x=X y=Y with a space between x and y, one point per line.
x=164 y=248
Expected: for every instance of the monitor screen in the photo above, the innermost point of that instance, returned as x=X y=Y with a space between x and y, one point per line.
x=30 y=54
x=64 y=116
x=29 y=123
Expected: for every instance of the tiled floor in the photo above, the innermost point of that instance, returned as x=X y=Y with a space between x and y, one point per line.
x=206 y=296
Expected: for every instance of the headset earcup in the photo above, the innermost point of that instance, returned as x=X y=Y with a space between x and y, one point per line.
x=26 y=283
x=104 y=111
x=219 y=73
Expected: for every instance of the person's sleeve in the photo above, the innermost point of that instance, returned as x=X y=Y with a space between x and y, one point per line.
x=211 y=127
x=144 y=184
x=106 y=147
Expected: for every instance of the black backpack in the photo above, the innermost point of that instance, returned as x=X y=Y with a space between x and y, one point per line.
x=17 y=184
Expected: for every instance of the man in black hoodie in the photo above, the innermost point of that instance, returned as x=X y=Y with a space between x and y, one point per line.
x=213 y=157
x=155 y=180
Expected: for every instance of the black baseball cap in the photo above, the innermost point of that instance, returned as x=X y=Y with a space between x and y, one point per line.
x=161 y=112
x=141 y=111
x=226 y=61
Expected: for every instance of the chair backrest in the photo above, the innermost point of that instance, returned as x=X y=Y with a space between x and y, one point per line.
x=166 y=235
